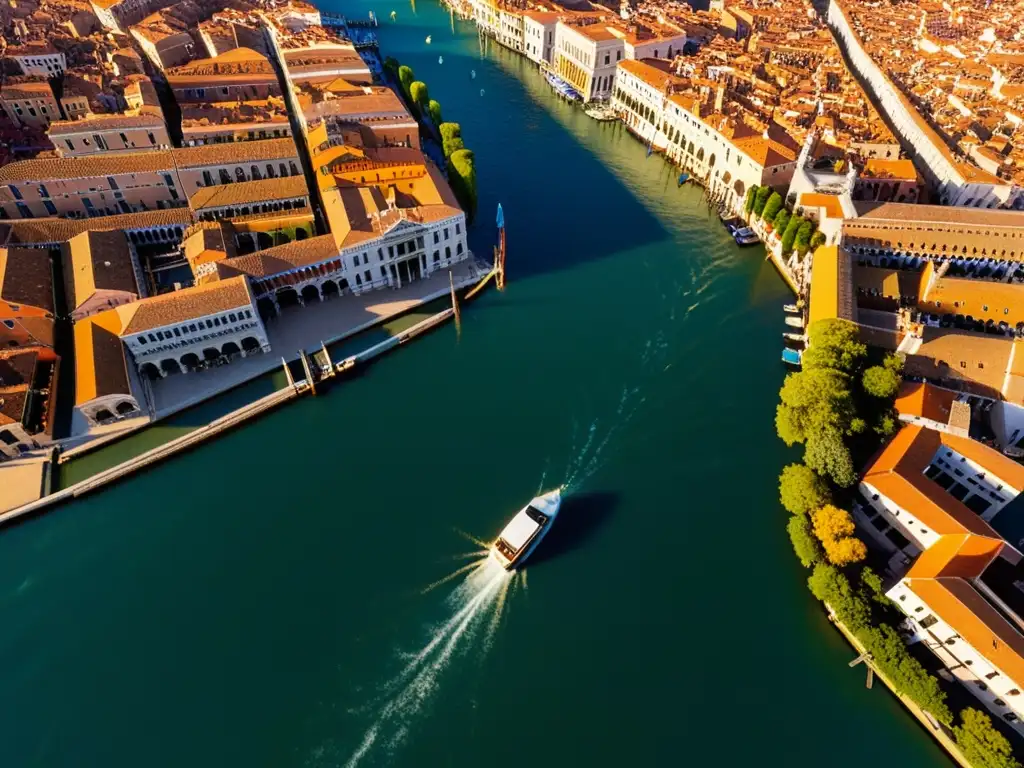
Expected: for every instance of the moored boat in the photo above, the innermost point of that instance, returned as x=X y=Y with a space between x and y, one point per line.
x=796 y=338
x=524 y=532
x=795 y=322
x=793 y=309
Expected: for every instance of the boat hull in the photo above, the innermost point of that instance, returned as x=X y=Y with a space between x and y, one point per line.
x=547 y=505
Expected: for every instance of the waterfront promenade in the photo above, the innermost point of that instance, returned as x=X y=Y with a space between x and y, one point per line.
x=297 y=328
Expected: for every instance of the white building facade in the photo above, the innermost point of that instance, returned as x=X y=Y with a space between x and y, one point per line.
x=672 y=124
x=539 y=36
x=182 y=346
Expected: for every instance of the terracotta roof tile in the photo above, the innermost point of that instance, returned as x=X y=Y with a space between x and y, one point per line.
x=246 y=192
x=186 y=304
x=26 y=277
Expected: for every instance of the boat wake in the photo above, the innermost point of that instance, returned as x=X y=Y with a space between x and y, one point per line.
x=476 y=606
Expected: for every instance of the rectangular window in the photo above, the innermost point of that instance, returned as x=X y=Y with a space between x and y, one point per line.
x=15 y=191
x=50 y=207
x=446 y=233
x=383 y=272
x=70 y=145
x=368 y=276
x=24 y=211
x=391 y=251
x=152 y=138
x=401 y=249
x=124 y=138
x=436 y=239
x=177 y=333
x=458 y=229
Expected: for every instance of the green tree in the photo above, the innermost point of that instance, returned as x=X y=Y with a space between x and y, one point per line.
x=826 y=453
x=830 y=585
x=434 y=110
x=789 y=236
x=872 y=584
x=981 y=743
x=817 y=240
x=452 y=145
x=419 y=95
x=835 y=344
x=801 y=490
x=462 y=175
x=406 y=79
x=893 y=362
x=748 y=204
x=449 y=130
x=803 y=236
x=761 y=199
x=811 y=402
x=771 y=208
x=908 y=676
x=807 y=549
x=879 y=381
x=781 y=220
x=887 y=425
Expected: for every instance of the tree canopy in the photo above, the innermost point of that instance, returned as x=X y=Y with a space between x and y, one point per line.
x=789 y=236
x=781 y=220
x=419 y=94
x=462 y=176
x=434 y=110
x=880 y=381
x=834 y=344
x=981 y=743
x=807 y=549
x=827 y=454
x=761 y=199
x=813 y=401
x=817 y=240
x=771 y=208
x=406 y=78
x=449 y=130
x=748 y=204
x=452 y=145
x=801 y=490
x=803 y=236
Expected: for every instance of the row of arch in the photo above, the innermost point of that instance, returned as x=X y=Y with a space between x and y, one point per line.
x=233 y=211
x=123 y=408
x=191 y=361
x=155 y=235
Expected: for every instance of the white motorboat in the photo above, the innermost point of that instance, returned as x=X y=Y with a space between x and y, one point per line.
x=523 y=533
x=792 y=309
x=795 y=322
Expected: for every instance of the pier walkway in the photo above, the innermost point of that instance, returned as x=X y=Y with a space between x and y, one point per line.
x=305 y=328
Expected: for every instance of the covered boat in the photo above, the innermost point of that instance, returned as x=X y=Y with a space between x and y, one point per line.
x=523 y=533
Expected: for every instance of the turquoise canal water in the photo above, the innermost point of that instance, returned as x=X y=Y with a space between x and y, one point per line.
x=278 y=597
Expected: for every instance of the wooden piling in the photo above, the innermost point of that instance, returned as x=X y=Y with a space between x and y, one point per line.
x=288 y=373
x=309 y=371
x=327 y=358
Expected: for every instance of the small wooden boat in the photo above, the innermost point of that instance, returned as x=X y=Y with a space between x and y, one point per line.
x=791 y=308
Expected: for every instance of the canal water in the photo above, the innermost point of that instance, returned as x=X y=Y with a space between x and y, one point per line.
x=307 y=591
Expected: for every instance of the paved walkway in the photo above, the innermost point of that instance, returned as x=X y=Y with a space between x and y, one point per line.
x=305 y=328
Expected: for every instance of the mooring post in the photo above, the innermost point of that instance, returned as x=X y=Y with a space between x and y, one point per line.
x=327 y=358
x=288 y=373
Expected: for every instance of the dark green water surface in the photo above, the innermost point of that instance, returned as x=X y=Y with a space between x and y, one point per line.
x=266 y=599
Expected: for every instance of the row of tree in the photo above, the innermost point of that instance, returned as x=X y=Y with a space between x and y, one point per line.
x=459 y=161
x=416 y=93
x=795 y=230
x=840 y=407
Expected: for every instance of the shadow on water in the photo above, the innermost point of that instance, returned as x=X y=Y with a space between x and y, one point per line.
x=579 y=212
x=579 y=518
